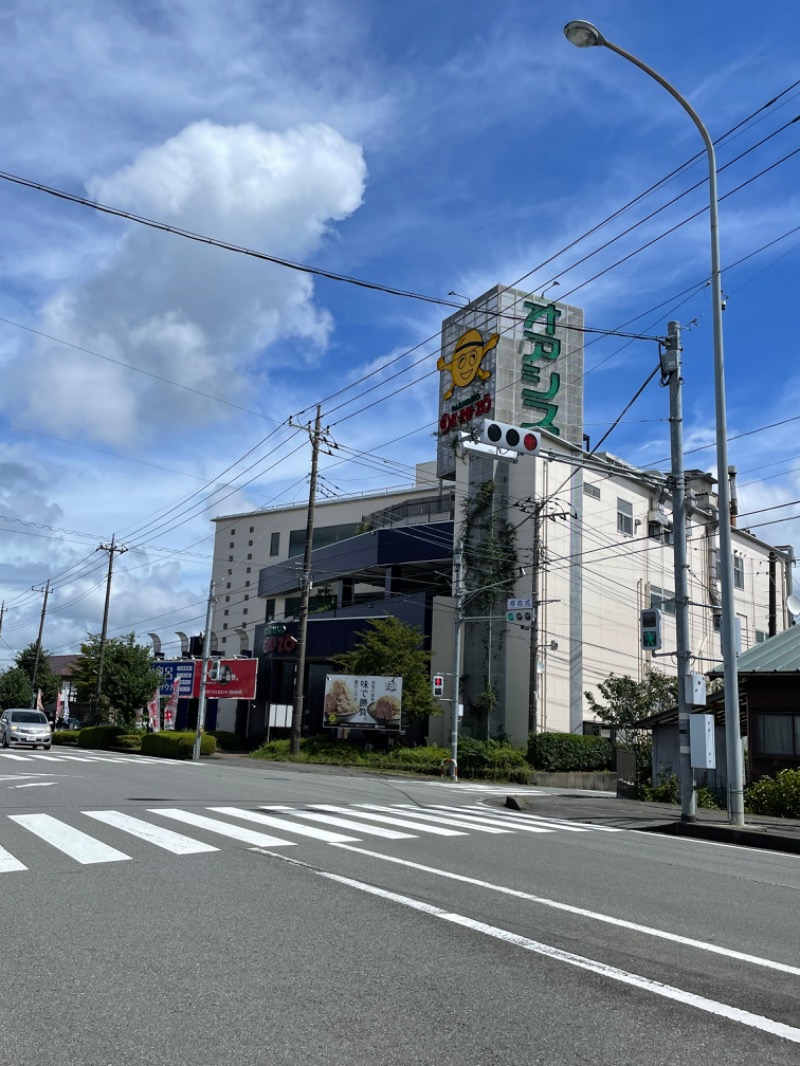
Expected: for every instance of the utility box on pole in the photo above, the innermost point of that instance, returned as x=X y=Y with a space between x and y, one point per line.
x=701 y=739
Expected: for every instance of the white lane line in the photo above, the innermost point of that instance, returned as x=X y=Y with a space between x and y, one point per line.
x=524 y=828
x=213 y=825
x=34 y=784
x=79 y=846
x=177 y=843
x=645 y=984
x=80 y=758
x=596 y=916
x=285 y=825
x=413 y=811
x=13 y=755
x=344 y=823
x=8 y=864
x=527 y=816
x=385 y=819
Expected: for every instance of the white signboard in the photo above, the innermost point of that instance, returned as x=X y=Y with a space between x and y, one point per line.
x=525 y=603
x=371 y=703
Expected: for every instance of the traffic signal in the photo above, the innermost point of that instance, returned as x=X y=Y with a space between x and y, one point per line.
x=650 y=627
x=511 y=438
x=438 y=685
x=215 y=670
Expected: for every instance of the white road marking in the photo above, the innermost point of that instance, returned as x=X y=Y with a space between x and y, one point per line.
x=8 y=863
x=13 y=755
x=404 y=823
x=79 y=846
x=424 y=814
x=345 y=823
x=562 y=823
x=286 y=825
x=34 y=784
x=678 y=995
x=496 y=821
x=213 y=825
x=597 y=916
x=177 y=843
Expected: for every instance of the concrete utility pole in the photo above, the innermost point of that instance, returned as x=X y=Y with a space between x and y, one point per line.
x=111 y=549
x=458 y=594
x=302 y=622
x=671 y=370
x=39 y=641
x=533 y=705
x=201 y=704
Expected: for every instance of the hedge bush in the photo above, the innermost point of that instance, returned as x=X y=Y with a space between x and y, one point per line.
x=129 y=741
x=492 y=760
x=418 y=760
x=227 y=740
x=779 y=796
x=66 y=736
x=569 y=752
x=171 y=745
x=99 y=736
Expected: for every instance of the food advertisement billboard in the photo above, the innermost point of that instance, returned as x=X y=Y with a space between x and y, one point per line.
x=372 y=703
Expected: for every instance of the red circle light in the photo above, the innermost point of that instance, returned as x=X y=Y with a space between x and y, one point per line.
x=530 y=442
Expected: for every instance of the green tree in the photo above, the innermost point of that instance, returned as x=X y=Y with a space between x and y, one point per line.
x=390 y=648
x=15 y=688
x=46 y=680
x=128 y=679
x=628 y=701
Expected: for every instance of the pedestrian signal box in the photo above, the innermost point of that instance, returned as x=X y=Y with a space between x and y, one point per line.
x=215 y=670
x=651 y=629
x=438 y=685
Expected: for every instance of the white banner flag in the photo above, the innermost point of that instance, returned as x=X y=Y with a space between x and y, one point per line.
x=154 y=712
x=171 y=710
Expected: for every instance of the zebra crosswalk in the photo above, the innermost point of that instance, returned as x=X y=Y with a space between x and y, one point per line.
x=267 y=826
x=77 y=755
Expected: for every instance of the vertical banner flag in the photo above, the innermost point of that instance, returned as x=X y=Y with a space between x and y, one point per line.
x=154 y=712
x=65 y=711
x=171 y=709
x=39 y=704
x=59 y=707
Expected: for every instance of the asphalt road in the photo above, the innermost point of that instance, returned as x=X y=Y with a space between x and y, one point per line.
x=135 y=930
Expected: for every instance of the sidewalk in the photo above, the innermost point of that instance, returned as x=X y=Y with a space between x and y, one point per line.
x=760 y=831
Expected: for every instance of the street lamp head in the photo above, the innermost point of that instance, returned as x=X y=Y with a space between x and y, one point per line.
x=583 y=34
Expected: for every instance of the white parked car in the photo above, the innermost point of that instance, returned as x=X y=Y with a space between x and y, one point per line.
x=21 y=726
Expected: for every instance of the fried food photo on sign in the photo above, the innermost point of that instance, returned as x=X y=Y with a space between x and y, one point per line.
x=339 y=702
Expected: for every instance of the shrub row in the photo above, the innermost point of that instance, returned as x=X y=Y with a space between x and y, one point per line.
x=170 y=745
x=778 y=796
x=99 y=736
x=569 y=752
x=66 y=736
x=476 y=758
x=226 y=740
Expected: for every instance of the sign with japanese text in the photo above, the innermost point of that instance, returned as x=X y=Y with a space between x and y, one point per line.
x=371 y=703
x=170 y=669
x=237 y=680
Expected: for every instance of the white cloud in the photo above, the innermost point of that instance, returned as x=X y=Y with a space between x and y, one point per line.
x=181 y=310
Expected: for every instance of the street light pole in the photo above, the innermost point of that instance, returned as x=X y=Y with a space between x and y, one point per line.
x=585 y=35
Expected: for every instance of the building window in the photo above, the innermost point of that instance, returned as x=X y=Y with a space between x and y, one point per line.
x=231 y=546
x=779 y=734
x=252 y=529
x=249 y=544
x=233 y=532
x=226 y=612
x=269 y=613
x=662 y=599
x=244 y=610
x=230 y=558
x=224 y=625
x=247 y=571
x=224 y=640
x=624 y=517
x=246 y=596
x=656 y=531
x=275 y=543
x=738 y=571
x=230 y=572
x=761 y=636
x=228 y=585
x=591 y=490
x=247 y=584
x=250 y=556
x=227 y=598
x=717 y=621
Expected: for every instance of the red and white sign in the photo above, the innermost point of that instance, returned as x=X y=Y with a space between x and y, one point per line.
x=154 y=712
x=171 y=709
x=238 y=681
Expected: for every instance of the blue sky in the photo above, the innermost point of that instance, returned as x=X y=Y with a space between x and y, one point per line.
x=428 y=146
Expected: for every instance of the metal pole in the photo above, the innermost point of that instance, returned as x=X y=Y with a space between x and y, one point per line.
x=201 y=703
x=733 y=736
x=671 y=365
x=458 y=621
x=533 y=707
x=39 y=641
x=302 y=623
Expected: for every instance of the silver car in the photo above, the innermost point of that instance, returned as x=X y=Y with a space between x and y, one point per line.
x=20 y=726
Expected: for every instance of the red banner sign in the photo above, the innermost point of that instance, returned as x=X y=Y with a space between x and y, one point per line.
x=238 y=681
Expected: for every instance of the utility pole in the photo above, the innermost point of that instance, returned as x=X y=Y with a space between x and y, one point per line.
x=302 y=623
x=671 y=370
x=111 y=549
x=533 y=704
x=458 y=593
x=39 y=640
x=201 y=705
